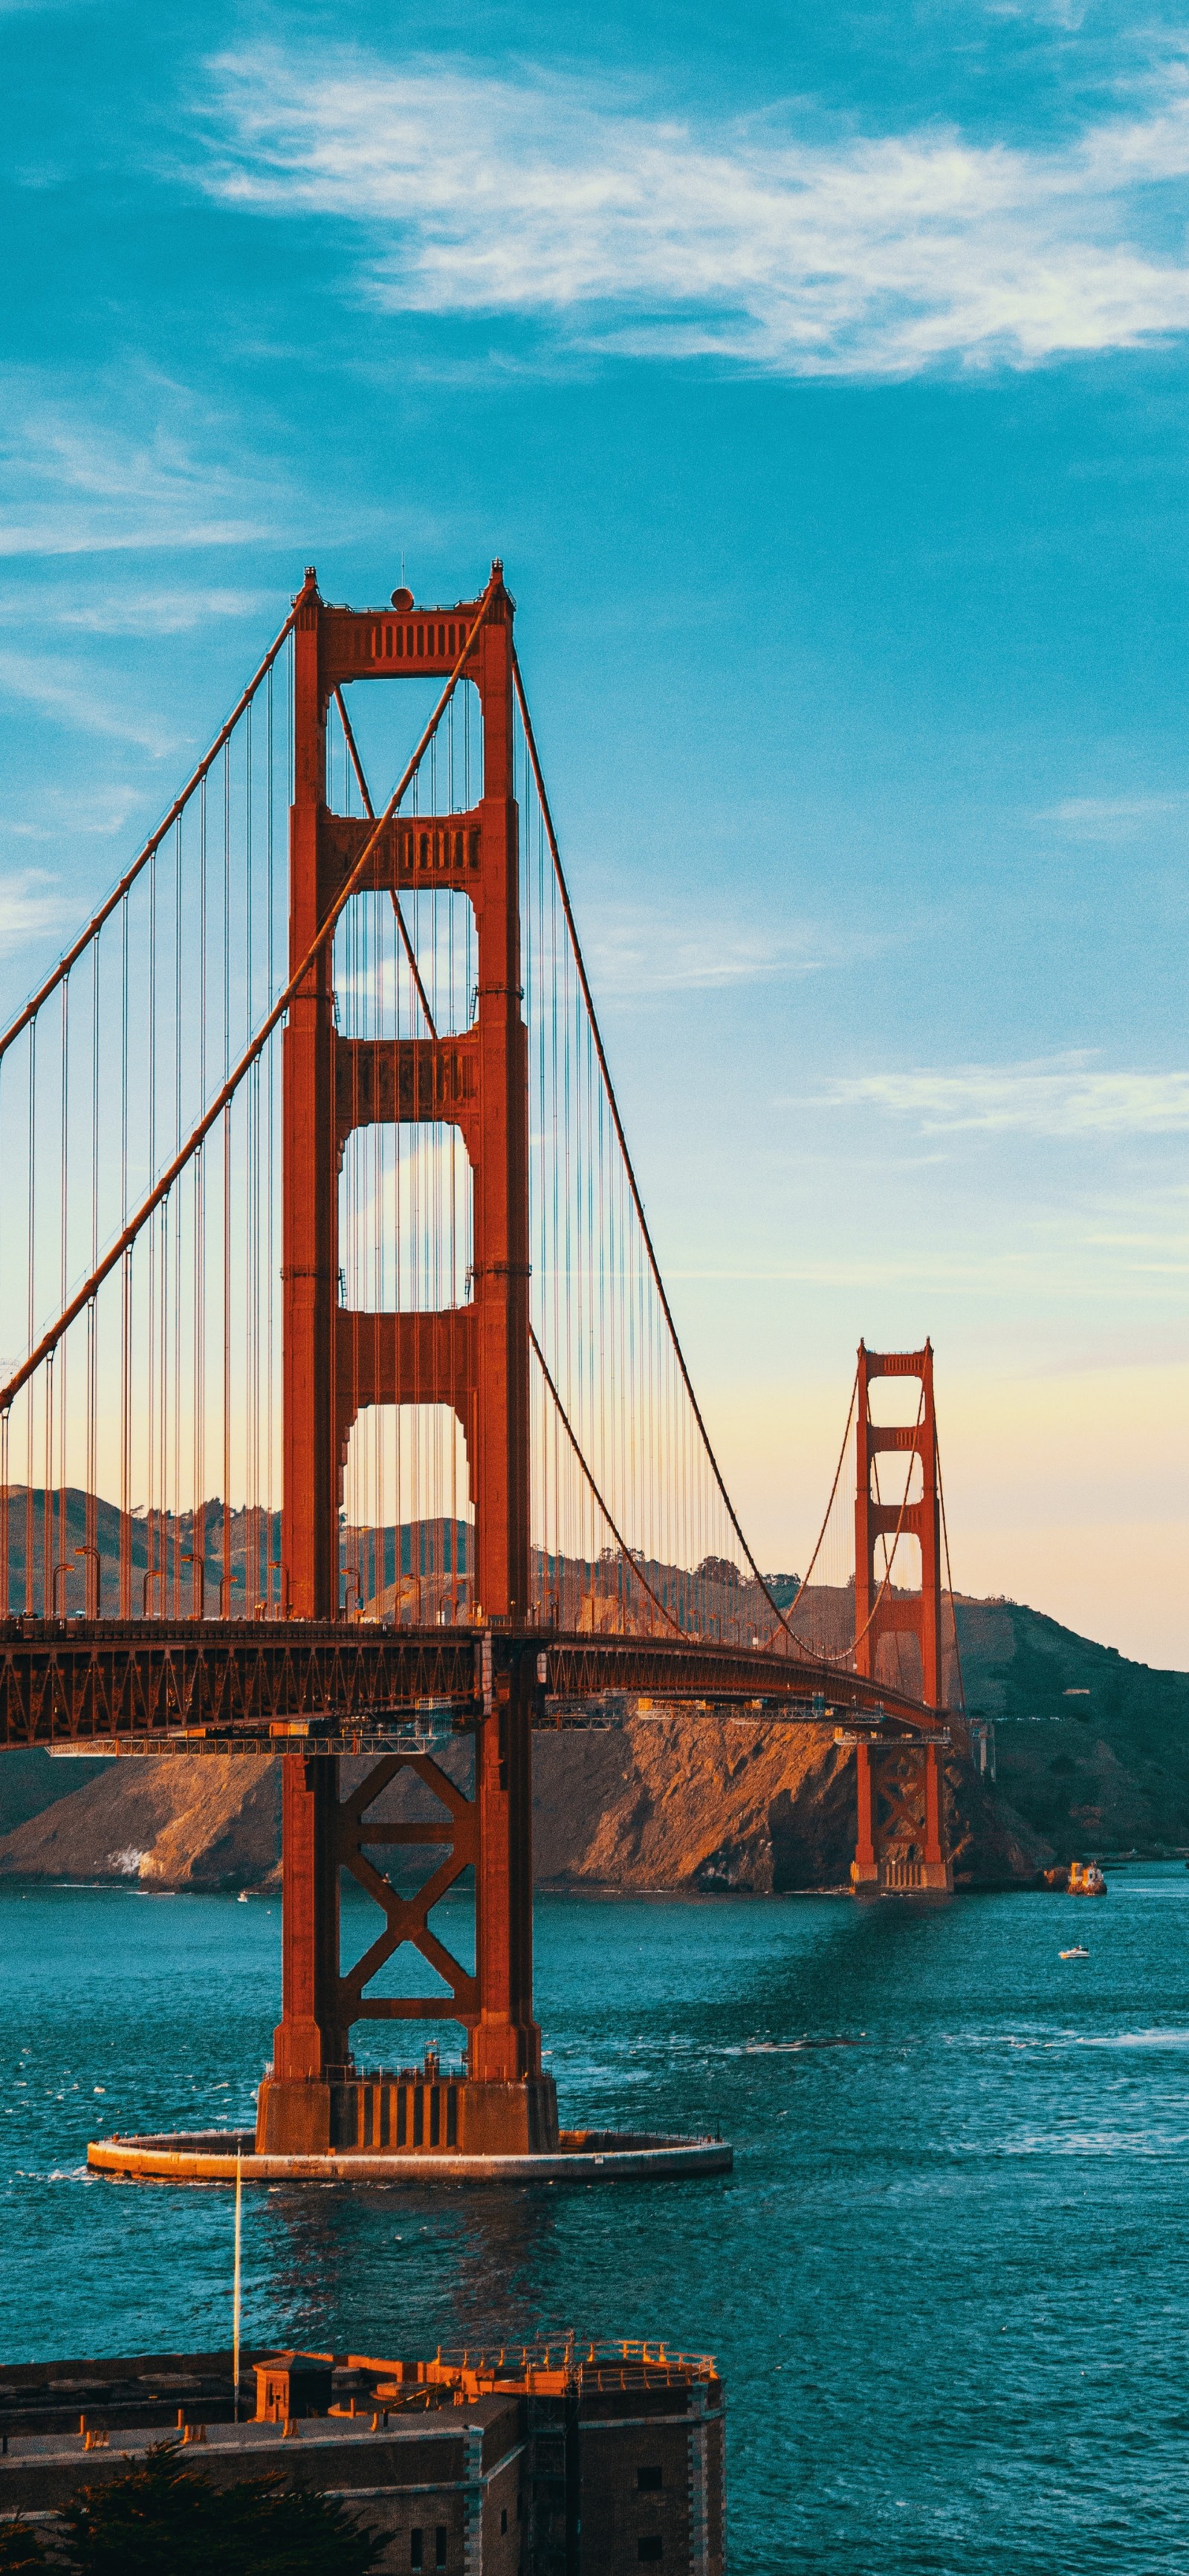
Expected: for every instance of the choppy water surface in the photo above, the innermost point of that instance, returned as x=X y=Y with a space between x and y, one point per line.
x=946 y=2282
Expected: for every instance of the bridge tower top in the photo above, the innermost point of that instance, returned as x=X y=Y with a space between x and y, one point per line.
x=472 y=1358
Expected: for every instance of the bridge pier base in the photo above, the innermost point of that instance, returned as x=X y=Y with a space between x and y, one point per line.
x=864 y=1868
x=293 y=2116
x=901 y=1843
x=424 y=2110
x=314 y=2099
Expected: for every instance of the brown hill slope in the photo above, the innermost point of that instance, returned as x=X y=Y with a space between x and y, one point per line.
x=734 y=1804
x=650 y=1803
x=169 y=1823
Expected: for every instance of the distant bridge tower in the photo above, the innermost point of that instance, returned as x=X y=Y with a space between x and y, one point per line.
x=902 y=1841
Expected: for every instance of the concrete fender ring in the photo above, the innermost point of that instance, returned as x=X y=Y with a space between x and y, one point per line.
x=206 y=2156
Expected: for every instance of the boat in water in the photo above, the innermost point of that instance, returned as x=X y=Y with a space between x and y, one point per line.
x=1075 y=1878
x=1076 y=1953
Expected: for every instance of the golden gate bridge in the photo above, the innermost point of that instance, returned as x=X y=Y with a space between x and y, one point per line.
x=316 y=1188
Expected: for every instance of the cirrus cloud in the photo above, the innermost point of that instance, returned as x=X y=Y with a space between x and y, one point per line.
x=759 y=240
x=136 y=463
x=1109 y=818
x=31 y=905
x=1061 y=1095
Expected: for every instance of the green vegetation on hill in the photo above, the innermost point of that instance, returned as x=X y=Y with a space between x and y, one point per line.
x=1092 y=1750
x=783 y=1588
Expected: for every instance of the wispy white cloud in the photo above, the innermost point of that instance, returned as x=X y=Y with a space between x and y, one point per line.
x=135 y=466
x=95 y=809
x=30 y=905
x=134 y=612
x=1054 y=1096
x=1109 y=818
x=1066 y=14
x=763 y=240
x=76 y=698
x=640 y=949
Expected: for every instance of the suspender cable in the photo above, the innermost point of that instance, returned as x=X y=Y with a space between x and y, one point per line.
x=153 y=844
x=571 y=1436
x=58 y=1545
x=351 y=883
x=32 y=1247
x=617 y=1121
x=125 y=1299
x=225 y=1560
x=949 y=1581
x=198 y=1516
x=176 y=1513
x=270 y=1176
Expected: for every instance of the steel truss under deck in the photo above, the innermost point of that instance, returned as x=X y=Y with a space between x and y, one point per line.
x=160 y=1685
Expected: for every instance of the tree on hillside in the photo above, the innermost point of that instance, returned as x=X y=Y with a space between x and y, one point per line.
x=161 y=2517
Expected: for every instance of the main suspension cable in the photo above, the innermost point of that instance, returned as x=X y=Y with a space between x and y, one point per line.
x=613 y=1105
x=616 y=1534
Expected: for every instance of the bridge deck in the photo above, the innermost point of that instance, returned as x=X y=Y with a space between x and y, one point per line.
x=193 y=1684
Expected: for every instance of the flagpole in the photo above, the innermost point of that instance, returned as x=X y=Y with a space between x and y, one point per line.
x=239 y=2207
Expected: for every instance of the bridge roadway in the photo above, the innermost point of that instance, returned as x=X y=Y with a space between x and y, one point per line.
x=194 y=1685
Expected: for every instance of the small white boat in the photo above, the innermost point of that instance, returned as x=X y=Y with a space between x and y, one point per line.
x=1077 y=1953
x=243 y=1896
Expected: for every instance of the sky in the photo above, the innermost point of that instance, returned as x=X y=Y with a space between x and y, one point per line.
x=820 y=377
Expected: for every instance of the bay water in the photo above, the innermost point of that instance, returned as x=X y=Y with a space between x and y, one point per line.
x=946 y=2282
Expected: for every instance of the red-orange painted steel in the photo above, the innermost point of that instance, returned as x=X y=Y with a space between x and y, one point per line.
x=901 y=1840
x=473 y=1359
x=307 y=2040
x=883 y=1609
x=205 y=1684
x=864 y=1838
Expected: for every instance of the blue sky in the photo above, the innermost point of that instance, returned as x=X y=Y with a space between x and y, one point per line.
x=820 y=377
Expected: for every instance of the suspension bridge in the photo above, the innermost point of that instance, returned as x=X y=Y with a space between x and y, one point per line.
x=317 y=1196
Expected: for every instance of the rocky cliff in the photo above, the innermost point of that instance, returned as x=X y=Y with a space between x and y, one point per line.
x=649 y=1803
x=167 y=1822
x=1093 y=1754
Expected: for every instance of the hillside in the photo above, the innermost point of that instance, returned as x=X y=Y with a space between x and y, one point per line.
x=1092 y=1751
x=649 y=1803
x=1093 y=1754
x=172 y=1822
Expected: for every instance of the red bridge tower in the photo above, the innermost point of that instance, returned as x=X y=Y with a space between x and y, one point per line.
x=902 y=1840
x=473 y=1358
